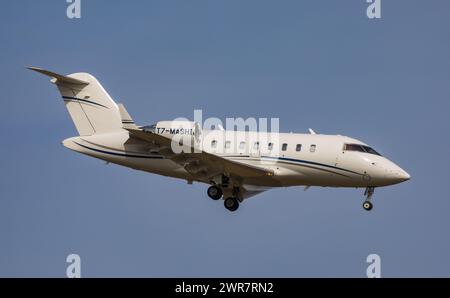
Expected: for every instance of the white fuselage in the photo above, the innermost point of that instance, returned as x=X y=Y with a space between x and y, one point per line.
x=236 y=164
x=305 y=159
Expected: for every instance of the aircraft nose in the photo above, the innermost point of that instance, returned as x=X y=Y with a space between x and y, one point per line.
x=398 y=175
x=403 y=175
x=384 y=172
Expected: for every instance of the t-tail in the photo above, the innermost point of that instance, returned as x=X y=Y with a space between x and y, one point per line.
x=92 y=109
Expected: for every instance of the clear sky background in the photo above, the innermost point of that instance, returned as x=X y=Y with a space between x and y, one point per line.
x=319 y=64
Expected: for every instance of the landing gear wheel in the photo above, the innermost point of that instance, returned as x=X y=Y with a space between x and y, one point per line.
x=231 y=204
x=367 y=206
x=215 y=192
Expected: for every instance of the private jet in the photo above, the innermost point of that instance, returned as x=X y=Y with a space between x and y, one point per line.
x=235 y=164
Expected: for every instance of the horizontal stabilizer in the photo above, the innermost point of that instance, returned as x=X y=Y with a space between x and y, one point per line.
x=59 y=78
x=91 y=108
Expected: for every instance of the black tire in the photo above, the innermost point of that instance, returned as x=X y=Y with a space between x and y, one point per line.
x=367 y=206
x=215 y=192
x=231 y=204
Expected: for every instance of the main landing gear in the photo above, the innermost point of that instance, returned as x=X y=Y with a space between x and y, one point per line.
x=367 y=205
x=231 y=201
x=215 y=192
x=232 y=204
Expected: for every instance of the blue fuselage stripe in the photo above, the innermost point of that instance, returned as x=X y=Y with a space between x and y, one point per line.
x=267 y=157
x=119 y=154
x=310 y=162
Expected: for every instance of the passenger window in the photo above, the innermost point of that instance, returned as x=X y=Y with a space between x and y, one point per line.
x=214 y=144
x=312 y=148
x=284 y=147
x=298 y=148
x=270 y=146
x=242 y=145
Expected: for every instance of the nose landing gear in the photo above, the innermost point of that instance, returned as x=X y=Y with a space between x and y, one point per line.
x=367 y=205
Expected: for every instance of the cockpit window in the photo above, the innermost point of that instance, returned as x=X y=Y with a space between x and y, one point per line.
x=353 y=147
x=360 y=148
x=370 y=150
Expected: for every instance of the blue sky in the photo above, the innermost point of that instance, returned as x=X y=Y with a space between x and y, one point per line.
x=319 y=64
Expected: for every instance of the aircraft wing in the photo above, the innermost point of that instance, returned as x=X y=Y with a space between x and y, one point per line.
x=200 y=164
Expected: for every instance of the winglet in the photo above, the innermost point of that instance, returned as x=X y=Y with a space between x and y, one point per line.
x=57 y=78
x=127 y=121
x=311 y=131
